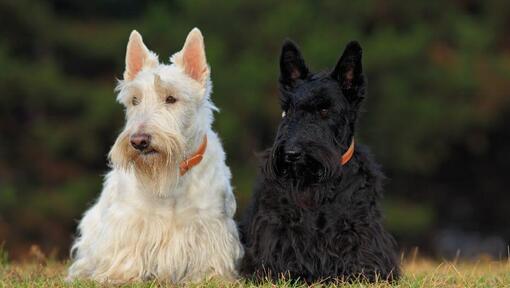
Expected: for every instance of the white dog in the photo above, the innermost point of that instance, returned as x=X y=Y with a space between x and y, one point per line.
x=166 y=208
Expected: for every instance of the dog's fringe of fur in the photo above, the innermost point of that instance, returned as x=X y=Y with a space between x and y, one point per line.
x=342 y=236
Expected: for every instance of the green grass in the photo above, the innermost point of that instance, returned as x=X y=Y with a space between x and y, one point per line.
x=416 y=274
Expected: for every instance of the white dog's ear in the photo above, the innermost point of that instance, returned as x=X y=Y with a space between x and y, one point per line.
x=137 y=56
x=192 y=57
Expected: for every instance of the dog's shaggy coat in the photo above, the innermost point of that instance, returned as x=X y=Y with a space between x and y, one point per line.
x=310 y=217
x=150 y=222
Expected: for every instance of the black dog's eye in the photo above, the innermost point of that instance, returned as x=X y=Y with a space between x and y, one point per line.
x=284 y=113
x=135 y=101
x=324 y=113
x=170 y=100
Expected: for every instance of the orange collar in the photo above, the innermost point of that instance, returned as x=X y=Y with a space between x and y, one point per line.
x=195 y=159
x=348 y=154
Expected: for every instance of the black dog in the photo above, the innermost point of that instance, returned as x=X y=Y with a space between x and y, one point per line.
x=315 y=211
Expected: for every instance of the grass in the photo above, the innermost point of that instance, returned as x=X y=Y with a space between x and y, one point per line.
x=417 y=274
x=41 y=272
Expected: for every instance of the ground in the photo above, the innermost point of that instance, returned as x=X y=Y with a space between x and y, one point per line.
x=417 y=273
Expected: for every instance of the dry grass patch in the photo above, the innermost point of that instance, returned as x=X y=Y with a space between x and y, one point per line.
x=421 y=273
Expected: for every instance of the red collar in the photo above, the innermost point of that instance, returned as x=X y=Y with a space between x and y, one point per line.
x=348 y=154
x=194 y=159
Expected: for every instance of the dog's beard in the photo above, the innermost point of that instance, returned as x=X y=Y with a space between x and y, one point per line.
x=157 y=170
x=318 y=164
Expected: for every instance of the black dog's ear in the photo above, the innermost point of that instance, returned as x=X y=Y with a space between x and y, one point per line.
x=292 y=65
x=349 y=73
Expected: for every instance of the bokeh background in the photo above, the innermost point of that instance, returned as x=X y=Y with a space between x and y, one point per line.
x=437 y=114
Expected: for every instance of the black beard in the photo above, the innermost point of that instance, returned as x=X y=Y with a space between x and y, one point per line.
x=317 y=167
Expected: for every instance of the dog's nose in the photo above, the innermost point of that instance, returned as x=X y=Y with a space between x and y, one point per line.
x=140 y=141
x=293 y=155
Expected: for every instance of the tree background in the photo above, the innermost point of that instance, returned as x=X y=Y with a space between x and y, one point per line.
x=436 y=114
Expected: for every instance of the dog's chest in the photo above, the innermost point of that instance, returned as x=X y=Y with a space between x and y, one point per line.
x=312 y=221
x=307 y=219
x=156 y=236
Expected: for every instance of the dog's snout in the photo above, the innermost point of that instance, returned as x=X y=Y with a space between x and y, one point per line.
x=140 y=141
x=293 y=155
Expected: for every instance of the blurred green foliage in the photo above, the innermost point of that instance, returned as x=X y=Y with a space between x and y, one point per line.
x=436 y=69
x=4 y=256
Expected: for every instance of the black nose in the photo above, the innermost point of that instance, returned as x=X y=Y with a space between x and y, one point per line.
x=140 y=141
x=293 y=155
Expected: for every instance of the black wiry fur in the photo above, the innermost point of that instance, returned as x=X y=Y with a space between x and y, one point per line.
x=314 y=219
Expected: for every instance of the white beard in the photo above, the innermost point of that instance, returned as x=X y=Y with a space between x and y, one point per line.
x=134 y=234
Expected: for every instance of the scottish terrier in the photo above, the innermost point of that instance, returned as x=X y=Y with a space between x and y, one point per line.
x=166 y=208
x=315 y=213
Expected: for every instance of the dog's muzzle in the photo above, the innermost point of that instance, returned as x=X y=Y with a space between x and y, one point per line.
x=292 y=155
x=294 y=162
x=140 y=141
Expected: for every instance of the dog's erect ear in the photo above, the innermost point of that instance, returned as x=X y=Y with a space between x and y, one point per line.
x=349 y=73
x=292 y=65
x=137 y=56
x=192 y=57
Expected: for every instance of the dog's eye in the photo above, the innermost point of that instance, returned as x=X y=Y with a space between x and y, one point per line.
x=284 y=113
x=324 y=113
x=170 y=100
x=135 y=101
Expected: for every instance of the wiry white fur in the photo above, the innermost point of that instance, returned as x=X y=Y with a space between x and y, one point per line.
x=170 y=227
